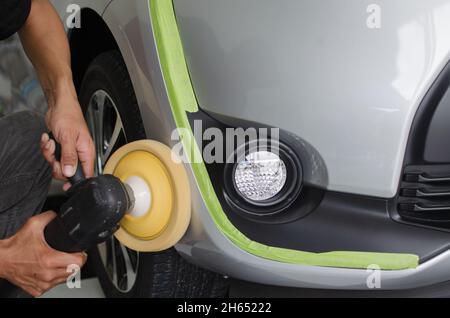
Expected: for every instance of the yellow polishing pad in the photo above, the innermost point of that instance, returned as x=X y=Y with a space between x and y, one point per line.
x=167 y=214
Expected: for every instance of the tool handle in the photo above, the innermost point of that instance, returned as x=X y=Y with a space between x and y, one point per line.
x=79 y=174
x=57 y=238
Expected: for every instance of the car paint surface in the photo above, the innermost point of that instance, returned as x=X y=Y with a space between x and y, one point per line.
x=204 y=244
x=318 y=70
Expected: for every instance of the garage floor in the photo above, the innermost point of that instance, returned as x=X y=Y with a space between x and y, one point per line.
x=90 y=288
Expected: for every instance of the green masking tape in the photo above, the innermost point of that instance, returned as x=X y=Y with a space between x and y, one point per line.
x=182 y=99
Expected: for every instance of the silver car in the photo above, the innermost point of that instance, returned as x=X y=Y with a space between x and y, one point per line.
x=359 y=92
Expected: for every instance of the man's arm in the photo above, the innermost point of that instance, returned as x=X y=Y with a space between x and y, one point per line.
x=45 y=42
x=25 y=259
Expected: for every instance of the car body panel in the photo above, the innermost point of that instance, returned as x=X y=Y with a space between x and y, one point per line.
x=398 y=278
x=180 y=94
x=315 y=69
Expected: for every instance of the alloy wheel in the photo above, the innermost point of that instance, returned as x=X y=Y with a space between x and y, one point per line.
x=106 y=127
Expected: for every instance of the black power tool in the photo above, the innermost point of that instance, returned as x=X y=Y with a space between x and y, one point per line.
x=143 y=189
x=92 y=212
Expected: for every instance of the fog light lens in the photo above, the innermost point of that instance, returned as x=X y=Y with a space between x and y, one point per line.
x=260 y=176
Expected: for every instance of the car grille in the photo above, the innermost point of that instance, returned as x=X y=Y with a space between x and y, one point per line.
x=424 y=195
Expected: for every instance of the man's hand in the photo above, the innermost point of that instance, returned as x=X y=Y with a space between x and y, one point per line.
x=29 y=263
x=68 y=126
x=45 y=42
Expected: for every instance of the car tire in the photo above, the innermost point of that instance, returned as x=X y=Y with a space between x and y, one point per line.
x=163 y=274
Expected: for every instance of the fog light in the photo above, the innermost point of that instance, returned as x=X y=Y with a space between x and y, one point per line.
x=262 y=181
x=260 y=176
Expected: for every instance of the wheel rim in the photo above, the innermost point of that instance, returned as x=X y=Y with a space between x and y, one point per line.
x=108 y=133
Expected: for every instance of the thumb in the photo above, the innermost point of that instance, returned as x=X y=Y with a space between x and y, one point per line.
x=69 y=157
x=44 y=218
x=86 y=154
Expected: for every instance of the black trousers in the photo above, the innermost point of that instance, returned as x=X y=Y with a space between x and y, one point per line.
x=25 y=176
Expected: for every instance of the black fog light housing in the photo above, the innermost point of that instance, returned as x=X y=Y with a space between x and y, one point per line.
x=263 y=181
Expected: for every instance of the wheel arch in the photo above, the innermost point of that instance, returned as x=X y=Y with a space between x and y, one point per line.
x=125 y=26
x=89 y=41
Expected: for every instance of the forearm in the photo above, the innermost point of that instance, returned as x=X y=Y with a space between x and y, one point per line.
x=45 y=42
x=4 y=248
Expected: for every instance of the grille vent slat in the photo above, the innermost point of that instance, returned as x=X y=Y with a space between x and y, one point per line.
x=424 y=195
